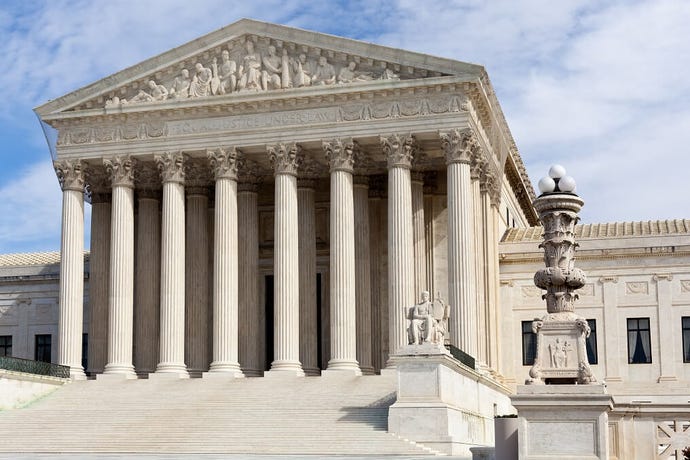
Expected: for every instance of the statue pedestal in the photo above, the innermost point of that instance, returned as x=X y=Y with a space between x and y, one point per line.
x=443 y=404
x=567 y=422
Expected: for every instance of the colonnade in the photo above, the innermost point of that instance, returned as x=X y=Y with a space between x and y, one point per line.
x=136 y=314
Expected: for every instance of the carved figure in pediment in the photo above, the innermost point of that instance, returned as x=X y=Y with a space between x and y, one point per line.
x=302 y=71
x=273 y=70
x=114 y=102
x=227 y=74
x=158 y=92
x=324 y=74
x=349 y=74
x=201 y=82
x=249 y=74
x=141 y=96
x=180 y=86
x=388 y=74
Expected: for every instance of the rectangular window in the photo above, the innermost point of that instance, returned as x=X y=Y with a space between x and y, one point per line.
x=5 y=345
x=42 y=349
x=529 y=344
x=686 y=338
x=639 y=341
x=592 y=342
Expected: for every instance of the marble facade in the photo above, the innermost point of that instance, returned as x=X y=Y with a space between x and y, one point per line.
x=260 y=155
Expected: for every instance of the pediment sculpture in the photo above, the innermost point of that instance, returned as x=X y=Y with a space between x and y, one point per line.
x=251 y=69
x=428 y=321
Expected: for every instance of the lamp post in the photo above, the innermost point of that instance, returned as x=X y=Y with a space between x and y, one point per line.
x=561 y=355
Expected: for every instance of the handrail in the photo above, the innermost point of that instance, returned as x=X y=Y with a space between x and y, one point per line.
x=34 y=367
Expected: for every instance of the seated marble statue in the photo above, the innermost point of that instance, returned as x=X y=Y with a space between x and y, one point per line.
x=428 y=321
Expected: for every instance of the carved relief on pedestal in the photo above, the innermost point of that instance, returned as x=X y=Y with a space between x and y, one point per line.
x=120 y=169
x=459 y=145
x=341 y=154
x=285 y=158
x=171 y=166
x=70 y=174
x=400 y=150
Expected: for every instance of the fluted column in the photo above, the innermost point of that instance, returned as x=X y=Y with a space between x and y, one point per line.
x=340 y=154
x=99 y=278
x=429 y=190
x=121 y=287
x=172 y=305
x=418 y=236
x=251 y=315
x=477 y=164
x=363 y=275
x=286 y=159
x=376 y=242
x=225 y=264
x=147 y=282
x=490 y=199
x=71 y=320
x=399 y=151
x=458 y=146
x=308 y=329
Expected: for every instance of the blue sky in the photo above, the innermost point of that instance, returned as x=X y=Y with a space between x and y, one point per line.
x=602 y=87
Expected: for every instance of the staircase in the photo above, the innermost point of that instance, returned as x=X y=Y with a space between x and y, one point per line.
x=288 y=416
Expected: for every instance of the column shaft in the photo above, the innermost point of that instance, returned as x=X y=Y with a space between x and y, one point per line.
x=286 y=276
x=363 y=277
x=121 y=295
x=147 y=284
x=375 y=283
x=196 y=282
x=99 y=279
x=225 y=280
x=429 y=242
x=489 y=250
x=251 y=315
x=418 y=236
x=71 y=321
x=463 y=324
x=400 y=255
x=478 y=231
x=342 y=272
x=172 y=281
x=307 y=279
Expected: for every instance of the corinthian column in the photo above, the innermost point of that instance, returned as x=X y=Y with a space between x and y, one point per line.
x=286 y=159
x=225 y=266
x=121 y=296
x=71 y=321
x=172 y=328
x=477 y=165
x=99 y=274
x=418 y=236
x=340 y=154
x=458 y=146
x=400 y=151
x=251 y=315
x=363 y=275
x=308 y=342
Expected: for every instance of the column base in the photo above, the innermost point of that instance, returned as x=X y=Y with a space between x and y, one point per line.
x=224 y=370
x=285 y=368
x=77 y=373
x=341 y=365
x=170 y=371
x=253 y=372
x=312 y=371
x=367 y=370
x=120 y=369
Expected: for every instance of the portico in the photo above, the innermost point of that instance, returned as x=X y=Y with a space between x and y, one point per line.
x=345 y=197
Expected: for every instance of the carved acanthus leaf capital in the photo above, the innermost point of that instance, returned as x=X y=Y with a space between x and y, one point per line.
x=400 y=150
x=459 y=145
x=70 y=174
x=225 y=162
x=308 y=183
x=477 y=164
x=490 y=183
x=341 y=154
x=171 y=166
x=120 y=169
x=285 y=158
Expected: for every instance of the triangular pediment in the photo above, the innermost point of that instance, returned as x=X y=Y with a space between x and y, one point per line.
x=252 y=56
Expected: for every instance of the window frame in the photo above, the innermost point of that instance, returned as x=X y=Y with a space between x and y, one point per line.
x=685 y=330
x=529 y=352
x=591 y=342
x=639 y=330
x=4 y=345
x=43 y=346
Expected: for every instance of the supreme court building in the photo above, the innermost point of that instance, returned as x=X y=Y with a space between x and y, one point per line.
x=271 y=199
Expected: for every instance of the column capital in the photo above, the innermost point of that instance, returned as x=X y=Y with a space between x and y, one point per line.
x=417 y=176
x=120 y=169
x=285 y=158
x=70 y=174
x=225 y=162
x=400 y=150
x=608 y=279
x=361 y=181
x=489 y=183
x=197 y=190
x=171 y=166
x=304 y=182
x=478 y=164
x=341 y=154
x=149 y=194
x=458 y=145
